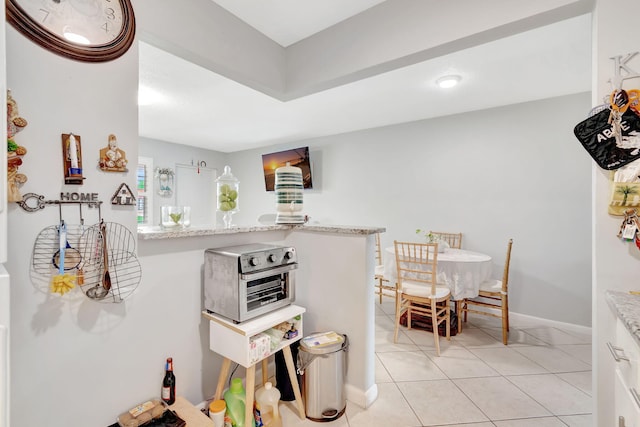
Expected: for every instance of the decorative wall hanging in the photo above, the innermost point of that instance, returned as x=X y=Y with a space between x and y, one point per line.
x=112 y=158
x=124 y=196
x=32 y=202
x=164 y=177
x=15 y=152
x=200 y=164
x=625 y=189
x=99 y=259
x=72 y=159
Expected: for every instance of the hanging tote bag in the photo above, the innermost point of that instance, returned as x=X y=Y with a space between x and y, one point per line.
x=598 y=137
x=612 y=135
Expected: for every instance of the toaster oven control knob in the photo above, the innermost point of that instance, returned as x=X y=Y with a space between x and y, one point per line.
x=288 y=255
x=254 y=261
x=272 y=258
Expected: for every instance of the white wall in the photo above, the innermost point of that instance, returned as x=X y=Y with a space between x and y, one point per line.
x=615 y=263
x=515 y=171
x=69 y=353
x=3 y=154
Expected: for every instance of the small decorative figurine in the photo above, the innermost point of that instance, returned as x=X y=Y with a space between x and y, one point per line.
x=112 y=158
x=123 y=196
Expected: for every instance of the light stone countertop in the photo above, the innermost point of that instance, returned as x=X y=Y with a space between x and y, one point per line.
x=152 y=233
x=627 y=308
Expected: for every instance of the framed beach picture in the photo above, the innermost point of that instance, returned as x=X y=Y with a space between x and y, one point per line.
x=298 y=157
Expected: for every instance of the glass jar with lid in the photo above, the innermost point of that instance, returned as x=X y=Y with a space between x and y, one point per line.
x=227 y=191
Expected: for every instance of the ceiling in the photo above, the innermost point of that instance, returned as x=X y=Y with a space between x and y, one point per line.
x=195 y=106
x=289 y=21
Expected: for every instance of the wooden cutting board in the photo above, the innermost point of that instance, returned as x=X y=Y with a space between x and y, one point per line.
x=192 y=415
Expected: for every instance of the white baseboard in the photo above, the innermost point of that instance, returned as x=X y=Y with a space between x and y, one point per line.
x=520 y=321
x=362 y=398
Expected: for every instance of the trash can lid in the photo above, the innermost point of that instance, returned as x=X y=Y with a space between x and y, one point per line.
x=322 y=342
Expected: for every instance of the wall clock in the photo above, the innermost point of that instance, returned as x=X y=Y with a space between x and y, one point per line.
x=84 y=30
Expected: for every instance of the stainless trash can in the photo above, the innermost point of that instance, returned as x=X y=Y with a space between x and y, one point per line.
x=322 y=364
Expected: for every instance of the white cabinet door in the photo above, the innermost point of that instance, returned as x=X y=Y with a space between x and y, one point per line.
x=627 y=406
x=628 y=353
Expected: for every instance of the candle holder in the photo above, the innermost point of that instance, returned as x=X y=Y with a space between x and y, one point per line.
x=175 y=217
x=72 y=159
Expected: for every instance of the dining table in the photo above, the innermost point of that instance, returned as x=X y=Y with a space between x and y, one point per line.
x=460 y=270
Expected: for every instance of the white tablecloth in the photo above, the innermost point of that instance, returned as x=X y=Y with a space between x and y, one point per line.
x=461 y=270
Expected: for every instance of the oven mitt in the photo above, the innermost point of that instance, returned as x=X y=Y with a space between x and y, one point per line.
x=597 y=137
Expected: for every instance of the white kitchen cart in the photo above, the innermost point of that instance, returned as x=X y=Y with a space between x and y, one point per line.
x=233 y=342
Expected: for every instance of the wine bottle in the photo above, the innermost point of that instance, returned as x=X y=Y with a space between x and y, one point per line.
x=169 y=384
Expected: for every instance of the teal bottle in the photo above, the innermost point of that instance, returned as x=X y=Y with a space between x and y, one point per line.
x=236 y=399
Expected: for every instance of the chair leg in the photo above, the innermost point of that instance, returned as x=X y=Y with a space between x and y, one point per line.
x=505 y=320
x=459 y=314
x=447 y=319
x=396 y=295
x=434 y=322
x=464 y=307
x=505 y=304
x=380 y=289
x=395 y=332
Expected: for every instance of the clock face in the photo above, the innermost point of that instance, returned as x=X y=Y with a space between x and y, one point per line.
x=87 y=30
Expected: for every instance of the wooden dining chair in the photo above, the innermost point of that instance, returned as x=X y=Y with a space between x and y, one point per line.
x=493 y=296
x=453 y=239
x=416 y=264
x=382 y=284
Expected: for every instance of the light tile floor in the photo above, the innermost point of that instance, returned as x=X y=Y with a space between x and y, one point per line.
x=542 y=378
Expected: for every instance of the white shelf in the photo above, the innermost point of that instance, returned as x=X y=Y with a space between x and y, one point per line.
x=232 y=340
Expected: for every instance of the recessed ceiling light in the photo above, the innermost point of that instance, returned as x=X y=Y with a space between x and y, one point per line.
x=448 y=81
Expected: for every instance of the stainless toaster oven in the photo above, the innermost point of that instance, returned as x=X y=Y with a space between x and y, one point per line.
x=245 y=281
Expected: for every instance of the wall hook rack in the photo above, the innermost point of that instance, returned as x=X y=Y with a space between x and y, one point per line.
x=32 y=202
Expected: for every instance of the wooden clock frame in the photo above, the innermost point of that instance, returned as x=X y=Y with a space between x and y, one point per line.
x=24 y=23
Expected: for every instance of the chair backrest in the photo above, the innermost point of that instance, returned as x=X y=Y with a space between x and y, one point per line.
x=453 y=239
x=416 y=262
x=505 y=273
x=378 y=251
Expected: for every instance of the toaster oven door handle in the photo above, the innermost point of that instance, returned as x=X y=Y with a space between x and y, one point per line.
x=267 y=273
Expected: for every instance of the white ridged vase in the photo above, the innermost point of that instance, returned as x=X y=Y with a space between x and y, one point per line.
x=289 y=188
